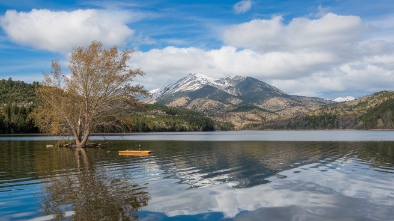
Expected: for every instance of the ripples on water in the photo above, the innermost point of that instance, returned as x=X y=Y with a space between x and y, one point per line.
x=194 y=180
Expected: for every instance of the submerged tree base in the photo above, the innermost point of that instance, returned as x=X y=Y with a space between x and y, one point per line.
x=100 y=80
x=89 y=145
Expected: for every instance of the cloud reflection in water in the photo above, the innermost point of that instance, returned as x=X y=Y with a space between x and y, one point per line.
x=341 y=190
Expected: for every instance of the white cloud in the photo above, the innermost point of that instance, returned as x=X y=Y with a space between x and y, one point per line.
x=242 y=6
x=301 y=73
x=228 y=61
x=374 y=47
x=174 y=63
x=311 y=57
x=328 y=33
x=367 y=75
x=304 y=57
x=311 y=190
x=60 y=31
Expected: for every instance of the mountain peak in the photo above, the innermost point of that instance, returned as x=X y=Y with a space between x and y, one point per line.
x=198 y=75
x=235 y=77
x=199 y=78
x=344 y=99
x=196 y=81
x=191 y=82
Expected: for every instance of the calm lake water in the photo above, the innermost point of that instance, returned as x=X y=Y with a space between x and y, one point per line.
x=247 y=175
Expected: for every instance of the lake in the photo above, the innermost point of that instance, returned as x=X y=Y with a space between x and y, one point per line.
x=236 y=175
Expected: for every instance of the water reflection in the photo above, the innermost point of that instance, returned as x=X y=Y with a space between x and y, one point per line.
x=202 y=164
x=339 y=190
x=266 y=135
x=92 y=194
x=238 y=180
x=195 y=180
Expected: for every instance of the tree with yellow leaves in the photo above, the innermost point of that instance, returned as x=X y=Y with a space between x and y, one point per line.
x=97 y=94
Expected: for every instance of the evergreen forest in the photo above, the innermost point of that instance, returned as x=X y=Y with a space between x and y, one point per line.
x=376 y=111
x=17 y=100
x=163 y=118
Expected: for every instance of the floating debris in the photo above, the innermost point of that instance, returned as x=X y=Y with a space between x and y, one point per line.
x=280 y=176
x=89 y=145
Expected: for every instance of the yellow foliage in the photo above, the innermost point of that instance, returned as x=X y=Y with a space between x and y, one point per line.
x=97 y=93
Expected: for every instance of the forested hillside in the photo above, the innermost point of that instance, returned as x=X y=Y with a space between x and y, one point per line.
x=370 y=112
x=16 y=92
x=245 y=102
x=380 y=117
x=17 y=101
x=163 y=118
x=375 y=111
x=15 y=119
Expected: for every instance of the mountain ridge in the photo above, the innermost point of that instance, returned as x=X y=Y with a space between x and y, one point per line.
x=236 y=99
x=375 y=111
x=194 y=82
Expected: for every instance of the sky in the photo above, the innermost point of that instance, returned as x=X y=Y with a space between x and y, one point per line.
x=321 y=48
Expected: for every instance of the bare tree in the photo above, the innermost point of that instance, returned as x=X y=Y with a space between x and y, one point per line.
x=97 y=94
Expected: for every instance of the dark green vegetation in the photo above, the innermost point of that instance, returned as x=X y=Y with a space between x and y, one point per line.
x=371 y=112
x=245 y=102
x=15 y=119
x=379 y=116
x=16 y=92
x=163 y=118
x=375 y=111
x=17 y=100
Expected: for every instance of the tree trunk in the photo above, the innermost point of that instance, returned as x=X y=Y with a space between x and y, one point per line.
x=82 y=158
x=82 y=141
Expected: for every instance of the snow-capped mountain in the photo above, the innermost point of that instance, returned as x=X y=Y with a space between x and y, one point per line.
x=193 y=82
x=236 y=99
x=344 y=99
x=246 y=90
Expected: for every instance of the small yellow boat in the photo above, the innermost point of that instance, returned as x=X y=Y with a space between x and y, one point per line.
x=134 y=152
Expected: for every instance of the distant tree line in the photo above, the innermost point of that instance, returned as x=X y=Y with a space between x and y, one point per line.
x=15 y=119
x=380 y=117
x=316 y=122
x=18 y=100
x=17 y=92
x=376 y=116
x=16 y=103
x=163 y=118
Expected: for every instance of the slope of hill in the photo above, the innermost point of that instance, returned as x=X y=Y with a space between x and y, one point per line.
x=244 y=101
x=370 y=112
x=162 y=118
x=379 y=117
x=16 y=99
x=16 y=92
x=222 y=104
x=194 y=82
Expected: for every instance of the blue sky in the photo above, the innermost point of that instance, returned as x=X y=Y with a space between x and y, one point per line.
x=324 y=48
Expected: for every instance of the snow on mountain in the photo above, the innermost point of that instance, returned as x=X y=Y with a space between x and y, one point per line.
x=193 y=82
x=344 y=99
